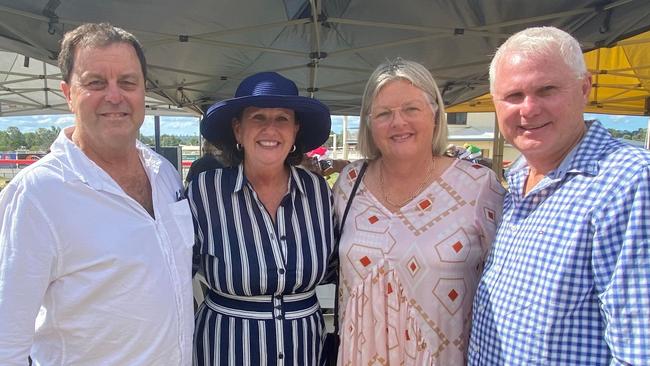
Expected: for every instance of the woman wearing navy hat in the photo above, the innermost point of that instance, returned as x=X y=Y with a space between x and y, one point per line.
x=264 y=228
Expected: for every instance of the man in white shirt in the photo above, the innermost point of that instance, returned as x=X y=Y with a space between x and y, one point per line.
x=96 y=237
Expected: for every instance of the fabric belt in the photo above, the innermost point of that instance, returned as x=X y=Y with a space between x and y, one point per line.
x=264 y=307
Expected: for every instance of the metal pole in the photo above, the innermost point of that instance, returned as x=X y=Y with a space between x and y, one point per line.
x=345 y=137
x=156 y=127
x=647 y=136
x=45 y=88
x=497 y=150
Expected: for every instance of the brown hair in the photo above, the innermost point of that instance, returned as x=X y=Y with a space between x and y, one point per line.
x=95 y=35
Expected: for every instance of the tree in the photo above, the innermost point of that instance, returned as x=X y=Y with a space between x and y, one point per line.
x=191 y=140
x=15 y=138
x=4 y=141
x=147 y=140
x=45 y=137
x=169 y=140
x=638 y=135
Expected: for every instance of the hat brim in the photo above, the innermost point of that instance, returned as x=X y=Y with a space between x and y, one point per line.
x=313 y=116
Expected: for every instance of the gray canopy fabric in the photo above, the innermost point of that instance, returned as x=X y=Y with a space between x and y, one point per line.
x=199 y=50
x=29 y=87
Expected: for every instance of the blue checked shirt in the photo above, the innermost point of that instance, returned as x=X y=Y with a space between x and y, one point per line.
x=568 y=278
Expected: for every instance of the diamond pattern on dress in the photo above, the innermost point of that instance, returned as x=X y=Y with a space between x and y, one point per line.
x=474 y=171
x=413 y=266
x=372 y=220
x=352 y=174
x=424 y=204
x=450 y=292
x=451 y=249
x=365 y=261
x=490 y=214
x=453 y=295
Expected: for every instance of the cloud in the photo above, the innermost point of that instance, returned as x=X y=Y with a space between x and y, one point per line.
x=64 y=120
x=172 y=125
x=337 y=123
x=619 y=122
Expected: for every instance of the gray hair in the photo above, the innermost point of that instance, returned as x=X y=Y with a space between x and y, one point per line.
x=420 y=78
x=95 y=35
x=541 y=41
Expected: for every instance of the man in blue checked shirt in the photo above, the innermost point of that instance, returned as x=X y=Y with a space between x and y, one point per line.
x=568 y=278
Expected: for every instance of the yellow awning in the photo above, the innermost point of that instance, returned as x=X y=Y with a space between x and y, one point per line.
x=620 y=75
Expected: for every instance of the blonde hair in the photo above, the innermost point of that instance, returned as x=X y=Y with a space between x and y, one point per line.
x=419 y=77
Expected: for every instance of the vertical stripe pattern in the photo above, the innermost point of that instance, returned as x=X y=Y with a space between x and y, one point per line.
x=261 y=308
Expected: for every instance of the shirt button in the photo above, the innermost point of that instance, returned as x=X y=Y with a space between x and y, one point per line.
x=283 y=238
x=279 y=317
x=281 y=271
x=280 y=355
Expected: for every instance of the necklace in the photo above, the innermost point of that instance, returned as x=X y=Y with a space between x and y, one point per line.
x=417 y=191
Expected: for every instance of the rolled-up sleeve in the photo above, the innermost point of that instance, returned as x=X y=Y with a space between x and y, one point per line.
x=28 y=255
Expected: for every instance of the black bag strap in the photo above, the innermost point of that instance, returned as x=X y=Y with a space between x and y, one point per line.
x=345 y=216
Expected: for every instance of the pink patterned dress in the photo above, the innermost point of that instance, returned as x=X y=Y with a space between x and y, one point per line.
x=408 y=278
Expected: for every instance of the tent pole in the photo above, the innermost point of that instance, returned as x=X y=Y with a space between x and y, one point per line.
x=647 y=135
x=345 y=137
x=156 y=128
x=497 y=150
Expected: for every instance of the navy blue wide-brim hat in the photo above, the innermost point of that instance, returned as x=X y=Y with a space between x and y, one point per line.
x=269 y=90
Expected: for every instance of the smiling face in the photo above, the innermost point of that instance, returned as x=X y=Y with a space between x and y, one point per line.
x=539 y=103
x=106 y=94
x=267 y=136
x=402 y=121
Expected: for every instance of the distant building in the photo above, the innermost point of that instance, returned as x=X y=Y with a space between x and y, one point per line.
x=477 y=129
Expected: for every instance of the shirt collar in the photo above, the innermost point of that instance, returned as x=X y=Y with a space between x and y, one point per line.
x=87 y=171
x=589 y=151
x=583 y=158
x=294 y=179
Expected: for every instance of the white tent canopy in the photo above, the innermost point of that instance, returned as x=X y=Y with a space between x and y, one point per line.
x=199 y=50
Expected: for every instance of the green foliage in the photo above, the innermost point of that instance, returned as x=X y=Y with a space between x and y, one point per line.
x=638 y=135
x=147 y=140
x=40 y=140
x=170 y=140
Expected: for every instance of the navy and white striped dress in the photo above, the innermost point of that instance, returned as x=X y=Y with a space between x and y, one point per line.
x=261 y=307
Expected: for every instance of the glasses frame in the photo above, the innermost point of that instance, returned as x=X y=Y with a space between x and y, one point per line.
x=400 y=109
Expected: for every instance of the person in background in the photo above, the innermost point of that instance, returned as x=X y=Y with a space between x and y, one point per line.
x=264 y=227
x=95 y=237
x=567 y=280
x=208 y=161
x=317 y=161
x=419 y=228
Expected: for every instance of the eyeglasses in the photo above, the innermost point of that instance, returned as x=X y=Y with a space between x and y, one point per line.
x=409 y=112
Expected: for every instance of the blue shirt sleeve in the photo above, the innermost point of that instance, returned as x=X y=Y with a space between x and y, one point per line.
x=621 y=265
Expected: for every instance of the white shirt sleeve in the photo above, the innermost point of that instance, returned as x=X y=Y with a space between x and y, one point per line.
x=28 y=255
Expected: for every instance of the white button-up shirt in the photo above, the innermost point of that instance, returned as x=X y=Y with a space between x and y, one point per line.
x=107 y=283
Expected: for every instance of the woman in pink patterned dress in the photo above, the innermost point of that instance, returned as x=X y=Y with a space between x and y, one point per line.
x=418 y=231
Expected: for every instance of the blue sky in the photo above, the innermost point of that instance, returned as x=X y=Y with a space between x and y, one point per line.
x=190 y=126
